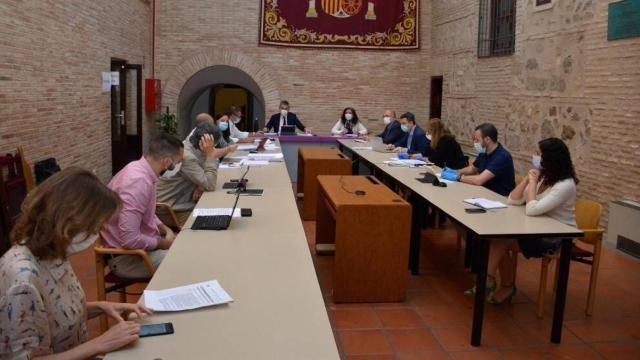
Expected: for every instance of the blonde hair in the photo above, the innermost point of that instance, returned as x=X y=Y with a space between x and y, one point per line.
x=66 y=204
x=438 y=130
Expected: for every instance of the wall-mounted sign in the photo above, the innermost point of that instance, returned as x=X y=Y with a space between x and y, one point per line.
x=106 y=81
x=624 y=19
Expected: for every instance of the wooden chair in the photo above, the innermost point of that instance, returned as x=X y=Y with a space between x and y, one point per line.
x=119 y=284
x=165 y=207
x=588 y=218
x=27 y=171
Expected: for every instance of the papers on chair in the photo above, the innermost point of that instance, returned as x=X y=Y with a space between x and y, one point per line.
x=187 y=297
x=485 y=203
x=215 y=211
x=266 y=157
x=362 y=148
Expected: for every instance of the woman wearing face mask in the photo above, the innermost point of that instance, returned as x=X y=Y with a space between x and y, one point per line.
x=445 y=150
x=549 y=189
x=349 y=124
x=42 y=305
x=222 y=121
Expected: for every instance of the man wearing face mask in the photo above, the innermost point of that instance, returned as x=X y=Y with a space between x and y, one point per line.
x=135 y=225
x=182 y=187
x=235 y=118
x=284 y=117
x=392 y=132
x=493 y=168
x=414 y=141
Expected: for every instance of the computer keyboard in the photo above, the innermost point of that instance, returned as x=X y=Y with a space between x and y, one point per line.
x=216 y=222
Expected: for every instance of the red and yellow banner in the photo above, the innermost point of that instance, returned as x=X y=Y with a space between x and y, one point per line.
x=372 y=24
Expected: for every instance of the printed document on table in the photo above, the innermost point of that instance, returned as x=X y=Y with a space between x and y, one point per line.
x=187 y=297
x=362 y=148
x=215 y=212
x=266 y=157
x=485 y=203
x=246 y=147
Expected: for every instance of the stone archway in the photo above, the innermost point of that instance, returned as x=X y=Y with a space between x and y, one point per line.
x=186 y=70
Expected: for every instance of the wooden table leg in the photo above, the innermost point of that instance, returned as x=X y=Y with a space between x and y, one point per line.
x=481 y=285
x=561 y=290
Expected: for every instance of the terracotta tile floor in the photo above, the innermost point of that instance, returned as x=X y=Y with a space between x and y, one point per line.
x=435 y=320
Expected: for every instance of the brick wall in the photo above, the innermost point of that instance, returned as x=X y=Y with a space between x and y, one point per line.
x=52 y=56
x=318 y=83
x=565 y=79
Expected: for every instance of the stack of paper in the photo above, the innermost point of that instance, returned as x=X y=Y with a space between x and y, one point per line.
x=215 y=212
x=485 y=203
x=187 y=297
x=247 y=147
x=362 y=148
x=405 y=162
x=266 y=157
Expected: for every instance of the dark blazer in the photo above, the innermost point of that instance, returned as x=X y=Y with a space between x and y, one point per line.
x=392 y=133
x=449 y=153
x=419 y=142
x=292 y=119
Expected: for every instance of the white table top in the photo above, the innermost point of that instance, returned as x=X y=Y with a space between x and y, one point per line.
x=509 y=222
x=264 y=263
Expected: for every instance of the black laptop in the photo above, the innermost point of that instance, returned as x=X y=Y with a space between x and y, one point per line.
x=215 y=222
x=288 y=130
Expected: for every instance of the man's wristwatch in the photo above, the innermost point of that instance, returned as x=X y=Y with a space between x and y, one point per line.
x=459 y=177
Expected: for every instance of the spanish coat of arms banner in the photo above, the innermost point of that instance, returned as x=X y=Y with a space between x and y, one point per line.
x=371 y=24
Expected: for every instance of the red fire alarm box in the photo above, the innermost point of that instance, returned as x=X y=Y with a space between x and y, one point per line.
x=153 y=97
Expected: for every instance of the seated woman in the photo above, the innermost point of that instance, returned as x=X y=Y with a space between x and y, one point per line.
x=42 y=305
x=222 y=122
x=349 y=124
x=445 y=150
x=549 y=189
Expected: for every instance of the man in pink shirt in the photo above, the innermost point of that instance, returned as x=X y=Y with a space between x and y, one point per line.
x=136 y=225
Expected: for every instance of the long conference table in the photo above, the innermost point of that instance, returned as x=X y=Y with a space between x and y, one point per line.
x=264 y=263
x=480 y=229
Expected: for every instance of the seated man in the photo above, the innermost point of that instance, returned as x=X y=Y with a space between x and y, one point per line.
x=392 y=132
x=198 y=173
x=238 y=136
x=283 y=118
x=135 y=225
x=200 y=119
x=414 y=141
x=493 y=168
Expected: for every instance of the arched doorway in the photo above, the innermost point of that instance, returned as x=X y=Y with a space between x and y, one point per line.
x=214 y=89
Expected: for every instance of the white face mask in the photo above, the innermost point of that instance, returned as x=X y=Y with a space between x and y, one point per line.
x=81 y=242
x=237 y=121
x=536 y=161
x=348 y=116
x=283 y=112
x=171 y=173
x=387 y=120
x=429 y=137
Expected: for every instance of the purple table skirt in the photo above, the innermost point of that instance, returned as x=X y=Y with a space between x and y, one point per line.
x=310 y=139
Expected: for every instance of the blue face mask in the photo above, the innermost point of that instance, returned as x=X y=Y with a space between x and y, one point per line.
x=404 y=128
x=536 y=161
x=479 y=148
x=223 y=126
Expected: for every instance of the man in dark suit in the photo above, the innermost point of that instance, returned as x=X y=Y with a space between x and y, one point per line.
x=414 y=141
x=392 y=131
x=283 y=118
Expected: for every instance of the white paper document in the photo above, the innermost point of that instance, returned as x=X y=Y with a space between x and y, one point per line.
x=485 y=203
x=362 y=148
x=246 y=147
x=266 y=157
x=187 y=297
x=215 y=211
x=256 y=162
x=235 y=165
x=439 y=175
x=405 y=162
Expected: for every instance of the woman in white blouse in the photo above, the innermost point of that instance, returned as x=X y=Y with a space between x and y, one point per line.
x=42 y=305
x=549 y=189
x=349 y=124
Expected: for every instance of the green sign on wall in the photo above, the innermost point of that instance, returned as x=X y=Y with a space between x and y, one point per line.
x=624 y=19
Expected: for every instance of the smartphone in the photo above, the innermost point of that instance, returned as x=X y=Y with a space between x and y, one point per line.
x=475 y=211
x=245 y=212
x=156 y=329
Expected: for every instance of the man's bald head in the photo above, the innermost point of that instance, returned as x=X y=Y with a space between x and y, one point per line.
x=203 y=118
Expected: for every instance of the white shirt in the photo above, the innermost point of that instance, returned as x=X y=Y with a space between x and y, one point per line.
x=357 y=128
x=557 y=202
x=236 y=133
